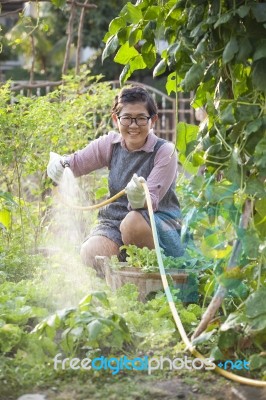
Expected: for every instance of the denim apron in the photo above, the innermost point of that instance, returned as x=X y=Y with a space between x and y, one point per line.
x=168 y=216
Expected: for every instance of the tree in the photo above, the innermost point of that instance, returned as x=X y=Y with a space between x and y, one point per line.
x=41 y=38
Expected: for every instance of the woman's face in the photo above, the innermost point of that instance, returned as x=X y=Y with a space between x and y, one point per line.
x=135 y=136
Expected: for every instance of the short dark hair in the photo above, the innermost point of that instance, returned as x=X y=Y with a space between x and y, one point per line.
x=135 y=94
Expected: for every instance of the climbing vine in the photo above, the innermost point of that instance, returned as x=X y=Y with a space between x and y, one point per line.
x=217 y=49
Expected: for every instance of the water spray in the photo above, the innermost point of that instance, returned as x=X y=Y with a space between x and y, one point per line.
x=65 y=164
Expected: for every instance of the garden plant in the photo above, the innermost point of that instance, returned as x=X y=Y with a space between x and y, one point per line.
x=216 y=49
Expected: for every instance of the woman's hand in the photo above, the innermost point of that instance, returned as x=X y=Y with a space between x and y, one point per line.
x=135 y=192
x=55 y=167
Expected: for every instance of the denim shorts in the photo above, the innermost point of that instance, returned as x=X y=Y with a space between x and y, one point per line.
x=168 y=227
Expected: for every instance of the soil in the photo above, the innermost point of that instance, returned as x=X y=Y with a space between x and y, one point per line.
x=189 y=386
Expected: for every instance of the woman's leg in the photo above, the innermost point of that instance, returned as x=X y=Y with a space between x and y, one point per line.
x=136 y=230
x=97 y=246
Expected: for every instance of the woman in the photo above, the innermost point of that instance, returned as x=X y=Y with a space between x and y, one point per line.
x=133 y=155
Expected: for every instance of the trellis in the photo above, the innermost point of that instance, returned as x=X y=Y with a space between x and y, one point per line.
x=168 y=111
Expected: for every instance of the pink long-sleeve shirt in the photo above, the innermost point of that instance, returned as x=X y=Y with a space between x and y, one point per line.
x=98 y=153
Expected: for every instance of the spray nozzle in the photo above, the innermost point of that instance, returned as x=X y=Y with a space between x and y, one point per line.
x=65 y=163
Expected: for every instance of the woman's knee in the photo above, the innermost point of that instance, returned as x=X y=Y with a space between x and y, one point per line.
x=135 y=230
x=87 y=253
x=131 y=219
x=97 y=246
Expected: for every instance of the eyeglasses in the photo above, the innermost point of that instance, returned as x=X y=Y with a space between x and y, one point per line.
x=140 y=121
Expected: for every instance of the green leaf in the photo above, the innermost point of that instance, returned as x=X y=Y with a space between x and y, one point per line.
x=242 y=11
x=257 y=362
x=102 y=297
x=21 y=316
x=260 y=51
x=5 y=218
x=253 y=126
x=233 y=321
x=8 y=199
x=203 y=338
x=148 y=31
x=186 y=133
x=191 y=148
x=259 y=11
x=203 y=90
x=172 y=83
x=260 y=153
x=77 y=331
x=10 y=336
x=219 y=191
x=160 y=68
x=223 y=19
x=216 y=353
x=123 y=35
x=230 y=50
x=134 y=36
x=196 y=309
x=125 y=54
x=231 y=278
x=198 y=158
x=232 y=172
x=196 y=32
x=260 y=224
x=116 y=24
x=110 y=47
x=256 y=304
x=250 y=242
x=255 y=186
x=212 y=248
x=173 y=49
x=258 y=323
x=49 y=346
x=247 y=112
x=125 y=74
x=186 y=136
x=53 y=321
x=132 y=13
x=134 y=64
x=227 y=115
x=152 y=12
x=187 y=316
x=94 y=328
x=175 y=12
x=245 y=49
x=86 y=300
x=259 y=74
x=193 y=77
x=260 y=206
x=149 y=54
x=227 y=339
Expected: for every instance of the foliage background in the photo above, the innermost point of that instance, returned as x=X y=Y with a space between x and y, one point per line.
x=218 y=50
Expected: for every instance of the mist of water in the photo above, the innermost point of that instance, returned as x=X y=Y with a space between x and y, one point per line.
x=66 y=278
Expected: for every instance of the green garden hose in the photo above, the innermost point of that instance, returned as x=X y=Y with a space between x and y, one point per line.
x=189 y=346
x=94 y=206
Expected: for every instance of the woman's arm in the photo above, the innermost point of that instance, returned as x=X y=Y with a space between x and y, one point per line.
x=163 y=174
x=95 y=155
